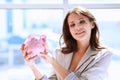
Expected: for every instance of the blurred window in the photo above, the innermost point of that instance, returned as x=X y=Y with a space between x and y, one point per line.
x=31 y=1
x=94 y=1
x=109 y=24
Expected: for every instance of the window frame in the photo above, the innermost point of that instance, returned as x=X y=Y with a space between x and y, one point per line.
x=65 y=6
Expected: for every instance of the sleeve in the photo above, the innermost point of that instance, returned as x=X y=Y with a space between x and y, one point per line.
x=52 y=76
x=97 y=71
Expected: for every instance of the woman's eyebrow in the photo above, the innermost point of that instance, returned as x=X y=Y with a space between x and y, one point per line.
x=80 y=19
x=71 y=22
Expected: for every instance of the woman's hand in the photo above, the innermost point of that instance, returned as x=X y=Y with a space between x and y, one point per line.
x=46 y=56
x=28 y=56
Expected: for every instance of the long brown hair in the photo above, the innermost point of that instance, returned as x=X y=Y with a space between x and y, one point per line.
x=69 y=41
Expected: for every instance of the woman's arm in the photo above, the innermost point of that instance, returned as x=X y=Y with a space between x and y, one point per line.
x=61 y=71
x=35 y=70
x=29 y=58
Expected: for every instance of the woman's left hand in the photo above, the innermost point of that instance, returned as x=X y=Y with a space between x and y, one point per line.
x=46 y=56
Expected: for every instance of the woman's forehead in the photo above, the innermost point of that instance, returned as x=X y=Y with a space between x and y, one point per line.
x=75 y=16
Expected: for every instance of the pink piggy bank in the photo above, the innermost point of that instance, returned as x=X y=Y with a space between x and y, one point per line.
x=35 y=44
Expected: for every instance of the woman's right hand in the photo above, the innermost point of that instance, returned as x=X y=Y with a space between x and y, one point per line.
x=28 y=56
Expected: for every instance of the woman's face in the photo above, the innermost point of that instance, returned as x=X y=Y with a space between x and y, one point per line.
x=79 y=26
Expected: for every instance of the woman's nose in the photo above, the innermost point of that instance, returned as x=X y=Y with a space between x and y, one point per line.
x=77 y=27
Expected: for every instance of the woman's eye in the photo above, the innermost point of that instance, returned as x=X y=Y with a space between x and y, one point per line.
x=72 y=25
x=82 y=22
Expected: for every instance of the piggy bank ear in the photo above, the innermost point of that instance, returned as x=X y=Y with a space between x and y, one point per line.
x=43 y=38
x=29 y=38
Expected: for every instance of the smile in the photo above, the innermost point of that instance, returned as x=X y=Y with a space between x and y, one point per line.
x=79 y=33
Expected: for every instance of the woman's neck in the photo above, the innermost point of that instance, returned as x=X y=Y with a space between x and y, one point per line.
x=82 y=47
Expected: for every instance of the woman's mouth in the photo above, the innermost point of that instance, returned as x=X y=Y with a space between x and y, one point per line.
x=80 y=33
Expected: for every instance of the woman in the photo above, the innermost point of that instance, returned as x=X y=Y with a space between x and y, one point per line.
x=82 y=57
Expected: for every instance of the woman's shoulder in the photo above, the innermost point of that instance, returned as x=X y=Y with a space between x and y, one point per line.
x=60 y=57
x=105 y=52
x=58 y=52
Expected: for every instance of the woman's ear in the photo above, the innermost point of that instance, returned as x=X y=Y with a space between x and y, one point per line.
x=92 y=25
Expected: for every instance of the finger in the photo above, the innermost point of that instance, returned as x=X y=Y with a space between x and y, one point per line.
x=45 y=51
x=30 y=56
x=22 y=46
x=42 y=56
x=27 y=53
x=24 y=53
x=27 y=57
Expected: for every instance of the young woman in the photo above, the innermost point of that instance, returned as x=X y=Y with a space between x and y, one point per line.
x=82 y=57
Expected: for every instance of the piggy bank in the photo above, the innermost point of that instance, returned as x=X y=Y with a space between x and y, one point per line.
x=35 y=44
